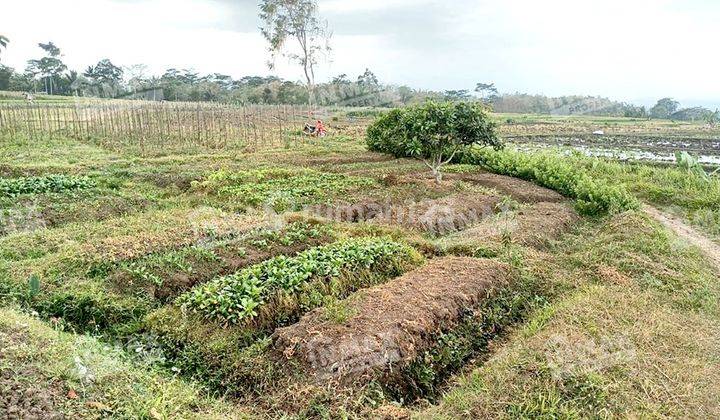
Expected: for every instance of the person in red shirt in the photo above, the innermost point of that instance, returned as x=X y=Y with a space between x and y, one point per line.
x=320 y=129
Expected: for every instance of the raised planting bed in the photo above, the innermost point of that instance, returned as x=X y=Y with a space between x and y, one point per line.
x=282 y=189
x=533 y=225
x=518 y=189
x=13 y=187
x=203 y=336
x=436 y=217
x=262 y=292
x=386 y=327
x=165 y=275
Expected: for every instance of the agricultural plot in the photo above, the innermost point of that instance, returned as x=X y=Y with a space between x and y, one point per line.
x=318 y=279
x=622 y=139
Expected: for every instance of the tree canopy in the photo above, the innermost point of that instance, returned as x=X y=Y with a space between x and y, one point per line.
x=433 y=132
x=298 y=20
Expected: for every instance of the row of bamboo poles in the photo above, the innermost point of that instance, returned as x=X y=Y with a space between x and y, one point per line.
x=160 y=126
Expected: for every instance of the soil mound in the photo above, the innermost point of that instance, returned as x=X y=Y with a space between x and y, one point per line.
x=530 y=226
x=390 y=324
x=520 y=190
x=439 y=217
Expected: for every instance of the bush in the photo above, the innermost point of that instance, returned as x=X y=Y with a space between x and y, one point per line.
x=433 y=132
x=554 y=171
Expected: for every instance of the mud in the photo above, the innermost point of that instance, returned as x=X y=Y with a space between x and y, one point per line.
x=391 y=324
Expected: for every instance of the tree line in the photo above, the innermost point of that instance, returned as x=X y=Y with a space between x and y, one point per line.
x=49 y=74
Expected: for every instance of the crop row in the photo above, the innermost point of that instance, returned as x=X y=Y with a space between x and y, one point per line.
x=13 y=187
x=238 y=298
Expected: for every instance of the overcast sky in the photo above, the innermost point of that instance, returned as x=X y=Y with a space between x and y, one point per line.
x=633 y=50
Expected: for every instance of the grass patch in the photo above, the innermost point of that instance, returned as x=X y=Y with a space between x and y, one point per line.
x=617 y=345
x=282 y=189
x=106 y=381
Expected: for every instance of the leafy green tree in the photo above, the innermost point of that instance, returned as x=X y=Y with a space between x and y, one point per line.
x=106 y=78
x=6 y=74
x=49 y=68
x=433 y=132
x=298 y=20
x=488 y=92
x=664 y=108
x=456 y=95
x=341 y=79
x=368 y=80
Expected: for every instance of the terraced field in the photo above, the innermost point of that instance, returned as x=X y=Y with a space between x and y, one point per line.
x=329 y=281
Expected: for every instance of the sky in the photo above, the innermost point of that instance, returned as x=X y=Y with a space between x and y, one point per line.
x=629 y=50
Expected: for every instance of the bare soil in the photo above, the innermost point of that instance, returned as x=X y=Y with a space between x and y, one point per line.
x=390 y=324
x=518 y=189
x=24 y=392
x=531 y=226
x=438 y=217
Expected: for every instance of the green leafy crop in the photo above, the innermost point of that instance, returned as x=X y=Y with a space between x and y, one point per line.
x=238 y=297
x=13 y=187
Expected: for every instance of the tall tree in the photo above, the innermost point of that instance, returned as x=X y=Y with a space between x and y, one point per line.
x=3 y=42
x=664 y=108
x=50 y=67
x=106 y=77
x=487 y=91
x=299 y=20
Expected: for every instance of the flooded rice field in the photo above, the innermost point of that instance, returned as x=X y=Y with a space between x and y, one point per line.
x=628 y=147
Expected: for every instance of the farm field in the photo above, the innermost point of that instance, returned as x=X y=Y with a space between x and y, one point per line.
x=204 y=275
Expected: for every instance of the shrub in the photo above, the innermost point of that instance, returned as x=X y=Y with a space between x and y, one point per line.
x=554 y=171
x=239 y=297
x=12 y=187
x=433 y=132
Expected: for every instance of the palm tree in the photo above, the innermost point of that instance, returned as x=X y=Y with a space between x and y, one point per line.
x=3 y=41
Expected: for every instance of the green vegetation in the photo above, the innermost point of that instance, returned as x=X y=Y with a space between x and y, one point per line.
x=240 y=297
x=105 y=381
x=155 y=289
x=282 y=189
x=13 y=187
x=433 y=132
x=639 y=308
x=592 y=196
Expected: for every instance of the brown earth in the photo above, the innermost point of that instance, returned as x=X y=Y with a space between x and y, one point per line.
x=24 y=392
x=518 y=189
x=531 y=226
x=439 y=217
x=20 y=398
x=390 y=324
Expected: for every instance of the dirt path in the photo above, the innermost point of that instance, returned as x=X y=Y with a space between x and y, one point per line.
x=708 y=247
